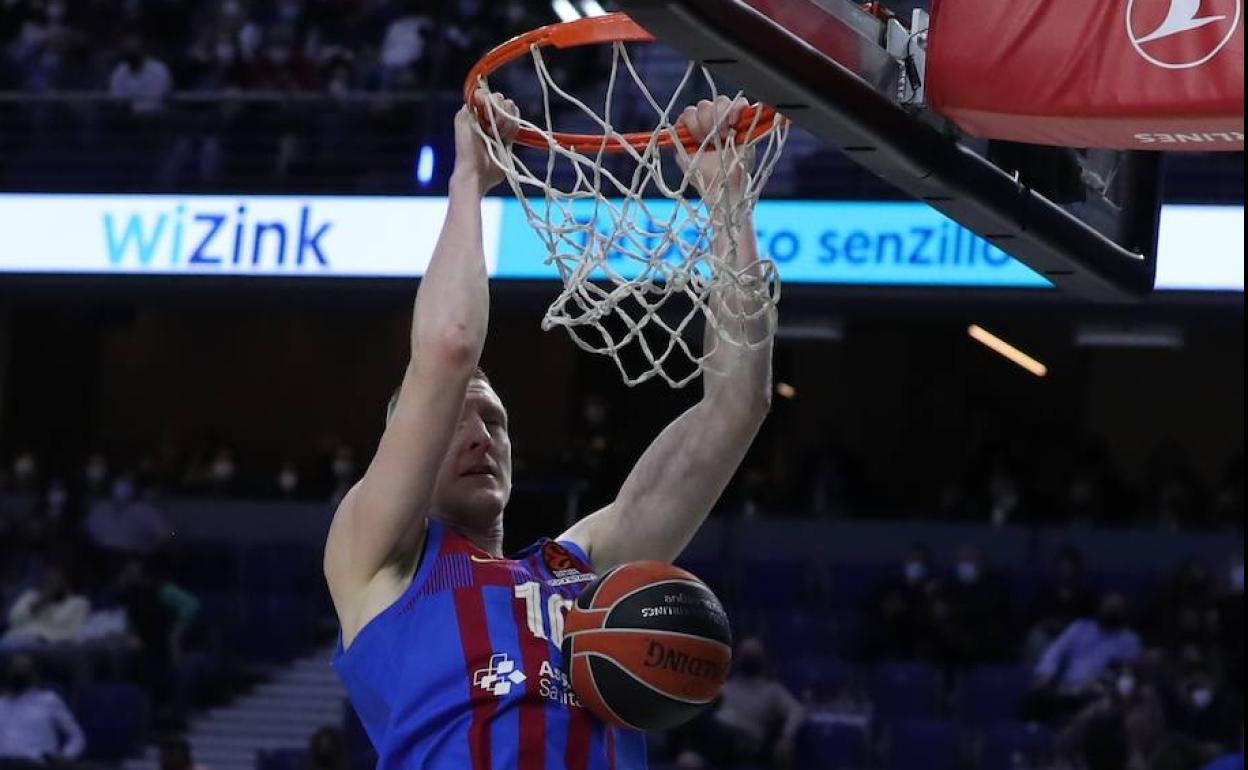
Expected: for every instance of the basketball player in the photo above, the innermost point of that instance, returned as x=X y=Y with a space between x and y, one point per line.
x=449 y=651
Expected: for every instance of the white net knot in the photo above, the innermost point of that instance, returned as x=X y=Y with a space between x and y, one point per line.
x=640 y=255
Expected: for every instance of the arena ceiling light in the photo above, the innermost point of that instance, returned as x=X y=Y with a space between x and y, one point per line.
x=998 y=345
x=565 y=10
x=593 y=8
x=812 y=329
x=1129 y=336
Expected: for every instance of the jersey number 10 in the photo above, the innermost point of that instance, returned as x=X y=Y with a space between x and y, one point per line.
x=556 y=607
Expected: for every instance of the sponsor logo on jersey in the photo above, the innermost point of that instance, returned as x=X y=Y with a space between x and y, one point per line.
x=554 y=685
x=500 y=676
x=561 y=564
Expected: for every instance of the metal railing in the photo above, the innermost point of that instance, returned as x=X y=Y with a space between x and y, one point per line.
x=355 y=142
x=229 y=141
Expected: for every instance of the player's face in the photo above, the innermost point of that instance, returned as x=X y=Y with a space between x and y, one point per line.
x=475 y=479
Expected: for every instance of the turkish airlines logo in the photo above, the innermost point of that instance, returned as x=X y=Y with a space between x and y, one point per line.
x=1181 y=34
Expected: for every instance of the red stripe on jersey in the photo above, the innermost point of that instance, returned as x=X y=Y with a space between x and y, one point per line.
x=533 y=709
x=475 y=637
x=610 y=748
x=579 y=730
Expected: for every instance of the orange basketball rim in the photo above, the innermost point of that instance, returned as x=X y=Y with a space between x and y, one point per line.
x=756 y=121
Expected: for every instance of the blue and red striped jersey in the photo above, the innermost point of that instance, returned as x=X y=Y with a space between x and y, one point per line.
x=463 y=671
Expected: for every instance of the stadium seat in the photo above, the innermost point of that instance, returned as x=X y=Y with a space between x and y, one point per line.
x=831 y=745
x=852 y=585
x=822 y=678
x=1011 y=745
x=194 y=676
x=902 y=689
x=923 y=744
x=281 y=759
x=274 y=570
x=221 y=616
x=992 y=693
x=114 y=719
x=770 y=584
x=280 y=627
x=1026 y=583
x=843 y=630
x=1135 y=586
x=207 y=567
x=792 y=634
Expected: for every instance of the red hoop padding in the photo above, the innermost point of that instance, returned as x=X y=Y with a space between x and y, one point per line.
x=756 y=121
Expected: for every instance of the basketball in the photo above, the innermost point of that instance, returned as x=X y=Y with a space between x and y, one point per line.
x=648 y=646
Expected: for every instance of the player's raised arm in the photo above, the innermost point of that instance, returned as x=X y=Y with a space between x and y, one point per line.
x=381 y=521
x=682 y=474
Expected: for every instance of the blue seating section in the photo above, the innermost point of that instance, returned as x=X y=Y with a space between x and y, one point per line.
x=905 y=690
x=1010 y=745
x=924 y=744
x=265 y=605
x=114 y=719
x=992 y=693
x=832 y=745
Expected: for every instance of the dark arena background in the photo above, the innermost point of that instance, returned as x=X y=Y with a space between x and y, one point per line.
x=213 y=217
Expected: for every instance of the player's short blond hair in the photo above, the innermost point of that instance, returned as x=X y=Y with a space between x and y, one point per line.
x=478 y=375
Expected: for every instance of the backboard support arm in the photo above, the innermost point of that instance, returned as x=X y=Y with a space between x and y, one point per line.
x=852 y=111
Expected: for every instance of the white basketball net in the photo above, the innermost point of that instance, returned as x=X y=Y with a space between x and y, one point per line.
x=639 y=260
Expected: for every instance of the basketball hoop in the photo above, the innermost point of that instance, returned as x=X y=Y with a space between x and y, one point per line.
x=637 y=257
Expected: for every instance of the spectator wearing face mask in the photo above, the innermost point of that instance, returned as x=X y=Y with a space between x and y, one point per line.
x=48 y=614
x=1068 y=673
x=755 y=720
x=1201 y=708
x=971 y=612
x=1064 y=599
x=95 y=476
x=342 y=471
x=404 y=42
x=143 y=80
x=25 y=473
x=1006 y=504
x=1191 y=586
x=280 y=65
x=125 y=525
x=896 y=617
x=287 y=481
x=1186 y=619
x=1230 y=609
x=916 y=570
x=36 y=727
x=222 y=472
x=1121 y=728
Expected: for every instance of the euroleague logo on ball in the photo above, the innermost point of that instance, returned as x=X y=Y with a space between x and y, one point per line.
x=557 y=557
x=1181 y=34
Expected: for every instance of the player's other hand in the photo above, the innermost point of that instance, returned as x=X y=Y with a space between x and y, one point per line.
x=471 y=158
x=715 y=119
